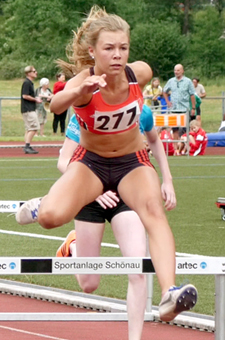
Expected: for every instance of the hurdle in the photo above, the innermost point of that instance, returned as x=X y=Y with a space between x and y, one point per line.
x=200 y=265
x=173 y=120
x=10 y=206
x=221 y=205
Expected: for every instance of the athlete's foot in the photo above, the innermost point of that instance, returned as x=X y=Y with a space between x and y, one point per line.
x=64 y=249
x=177 y=300
x=28 y=212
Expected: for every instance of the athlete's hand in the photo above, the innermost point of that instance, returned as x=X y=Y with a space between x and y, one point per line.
x=92 y=83
x=108 y=200
x=168 y=195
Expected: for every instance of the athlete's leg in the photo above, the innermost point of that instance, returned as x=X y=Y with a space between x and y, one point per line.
x=88 y=244
x=140 y=190
x=131 y=237
x=68 y=195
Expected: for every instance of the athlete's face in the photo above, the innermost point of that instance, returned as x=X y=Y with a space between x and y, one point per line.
x=111 y=52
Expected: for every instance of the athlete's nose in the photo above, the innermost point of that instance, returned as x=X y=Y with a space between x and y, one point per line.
x=117 y=53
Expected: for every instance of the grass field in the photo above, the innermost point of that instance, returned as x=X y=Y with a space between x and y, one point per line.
x=13 y=128
x=196 y=222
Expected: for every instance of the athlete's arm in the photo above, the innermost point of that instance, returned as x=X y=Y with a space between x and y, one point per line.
x=157 y=149
x=66 y=153
x=78 y=91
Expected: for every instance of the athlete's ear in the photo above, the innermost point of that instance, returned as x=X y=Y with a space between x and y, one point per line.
x=91 y=52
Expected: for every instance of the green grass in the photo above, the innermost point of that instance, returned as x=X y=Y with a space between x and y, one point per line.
x=11 y=118
x=196 y=222
x=13 y=127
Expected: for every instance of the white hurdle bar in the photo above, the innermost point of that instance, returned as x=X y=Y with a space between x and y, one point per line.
x=111 y=266
x=10 y=206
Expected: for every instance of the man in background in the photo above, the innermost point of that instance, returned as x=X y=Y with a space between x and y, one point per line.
x=200 y=91
x=182 y=91
x=28 y=106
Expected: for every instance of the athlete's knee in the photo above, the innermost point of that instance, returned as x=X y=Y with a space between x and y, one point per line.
x=88 y=283
x=154 y=208
x=49 y=218
x=138 y=280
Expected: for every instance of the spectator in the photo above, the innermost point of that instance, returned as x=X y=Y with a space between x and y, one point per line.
x=182 y=90
x=167 y=140
x=42 y=108
x=59 y=119
x=28 y=104
x=197 y=140
x=153 y=91
x=198 y=102
x=163 y=103
x=200 y=91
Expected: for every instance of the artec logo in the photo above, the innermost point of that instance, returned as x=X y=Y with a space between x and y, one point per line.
x=12 y=265
x=203 y=265
x=187 y=265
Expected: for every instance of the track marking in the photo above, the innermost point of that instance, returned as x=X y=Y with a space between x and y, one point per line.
x=31 y=333
x=4 y=160
x=57 y=238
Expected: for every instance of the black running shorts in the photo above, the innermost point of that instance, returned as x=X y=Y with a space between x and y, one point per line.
x=94 y=213
x=111 y=170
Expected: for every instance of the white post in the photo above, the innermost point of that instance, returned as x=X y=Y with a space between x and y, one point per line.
x=149 y=283
x=149 y=293
x=220 y=307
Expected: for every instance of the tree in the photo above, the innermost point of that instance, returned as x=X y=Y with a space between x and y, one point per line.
x=160 y=44
x=35 y=33
x=207 y=44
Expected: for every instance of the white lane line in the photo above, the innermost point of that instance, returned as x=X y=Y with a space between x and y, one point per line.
x=55 y=238
x=31 y=333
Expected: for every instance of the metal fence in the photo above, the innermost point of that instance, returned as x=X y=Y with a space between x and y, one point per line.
x=15 y=109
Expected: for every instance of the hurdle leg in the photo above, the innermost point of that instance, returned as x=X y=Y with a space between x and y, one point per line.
x=220 y=307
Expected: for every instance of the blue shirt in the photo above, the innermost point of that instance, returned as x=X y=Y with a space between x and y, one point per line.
x=181 y=90
x=145 y=124
x=73 y=129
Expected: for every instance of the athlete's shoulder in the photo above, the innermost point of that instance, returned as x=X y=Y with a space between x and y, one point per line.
x=142 y=71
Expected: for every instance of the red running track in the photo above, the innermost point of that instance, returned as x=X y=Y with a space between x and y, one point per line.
x=54 y=151
x=80 y=330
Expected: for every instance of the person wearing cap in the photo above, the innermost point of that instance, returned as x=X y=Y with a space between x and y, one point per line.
x=44 y=92
x=28 y=106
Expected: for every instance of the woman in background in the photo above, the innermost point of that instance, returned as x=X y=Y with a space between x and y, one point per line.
x=59 y=118
x=44 y=92
x=153 y=91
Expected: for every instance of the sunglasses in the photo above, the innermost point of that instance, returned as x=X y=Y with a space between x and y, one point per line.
x=33 y=71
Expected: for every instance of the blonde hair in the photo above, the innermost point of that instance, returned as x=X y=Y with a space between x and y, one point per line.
x=194 y=122
x=87 y=35
x=28 y=69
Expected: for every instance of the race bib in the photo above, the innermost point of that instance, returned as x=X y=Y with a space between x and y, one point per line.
x=118 y=120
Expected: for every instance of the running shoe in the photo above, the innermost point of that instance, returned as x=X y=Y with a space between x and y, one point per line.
x=177 y=300
x=64 y=249
x=28 y=212
x=29 y=150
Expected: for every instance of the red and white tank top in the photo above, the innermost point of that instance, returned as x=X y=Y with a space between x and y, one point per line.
x=102 y=118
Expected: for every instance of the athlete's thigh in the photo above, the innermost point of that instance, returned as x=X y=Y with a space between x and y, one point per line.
x=89 y=238
x=141 y=186
x=129 y=233
x=77 y=187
